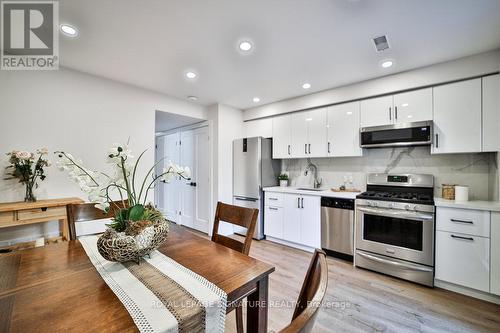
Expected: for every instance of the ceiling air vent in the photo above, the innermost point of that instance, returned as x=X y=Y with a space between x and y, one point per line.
x=381 y=43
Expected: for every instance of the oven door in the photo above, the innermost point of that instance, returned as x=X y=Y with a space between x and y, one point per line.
x=396 y=233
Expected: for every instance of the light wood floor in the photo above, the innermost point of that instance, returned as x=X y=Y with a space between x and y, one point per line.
x=364 y=301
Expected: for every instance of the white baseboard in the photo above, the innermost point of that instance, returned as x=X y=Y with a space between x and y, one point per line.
x=467 y=291
x=291 y=244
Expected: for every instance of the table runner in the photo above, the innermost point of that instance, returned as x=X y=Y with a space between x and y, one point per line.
x=160 y=294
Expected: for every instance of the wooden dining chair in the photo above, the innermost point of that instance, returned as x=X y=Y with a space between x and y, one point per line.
x=311 y=295
x=243 y=217
x=87 y=212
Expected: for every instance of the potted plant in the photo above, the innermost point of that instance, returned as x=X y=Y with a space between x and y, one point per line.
x=28 y=168
x=283 y=178
x=137 y=227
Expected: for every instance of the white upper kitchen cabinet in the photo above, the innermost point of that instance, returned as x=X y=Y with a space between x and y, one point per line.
x=316 y=133
x=491 y=113
x=282 y=136
x=299 y=134
x=457 y=117
x=495 y=253
x=309 y=134
x=343 y=130
x=413 y=106
x=376 y=111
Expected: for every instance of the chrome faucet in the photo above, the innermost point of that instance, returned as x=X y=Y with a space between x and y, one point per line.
x=312 y=167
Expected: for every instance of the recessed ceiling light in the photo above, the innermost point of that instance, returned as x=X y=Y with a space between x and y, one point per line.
x=306 y=85
x=386 y=63
x=69 y=30
x=245 y=46
x=191 y=75
x=192 y=98
x=256 y=99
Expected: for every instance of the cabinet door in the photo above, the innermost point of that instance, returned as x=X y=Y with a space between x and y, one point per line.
x=317 y=133
x=273 y=221
x=413 y=106
x=281 y=136
x=299 y=126
x=491 y=113
x=457 y=117
x=495 y=253
x=463 y=260
x=310 y=221
x=376 y=111
x=291 y=218
x=343 y=130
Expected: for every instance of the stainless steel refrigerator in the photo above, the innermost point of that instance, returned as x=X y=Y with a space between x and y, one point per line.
x=253 y=169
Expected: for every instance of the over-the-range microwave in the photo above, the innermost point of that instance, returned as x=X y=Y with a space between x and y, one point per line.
x=397 y=135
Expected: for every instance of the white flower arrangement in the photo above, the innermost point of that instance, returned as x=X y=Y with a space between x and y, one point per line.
x=100 y=186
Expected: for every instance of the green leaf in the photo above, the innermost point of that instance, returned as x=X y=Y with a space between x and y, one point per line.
x=136 y=212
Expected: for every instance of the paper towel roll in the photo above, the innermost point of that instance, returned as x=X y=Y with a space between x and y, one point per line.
x=461 y=193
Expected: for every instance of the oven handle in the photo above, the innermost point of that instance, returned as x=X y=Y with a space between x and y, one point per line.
x=389 y=212
x=394 y=263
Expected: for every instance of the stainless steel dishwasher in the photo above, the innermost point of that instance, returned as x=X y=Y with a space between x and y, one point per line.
x=337 y=227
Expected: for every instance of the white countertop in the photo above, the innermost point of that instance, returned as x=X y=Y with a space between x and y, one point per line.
x=474 y=204
x=323 y=193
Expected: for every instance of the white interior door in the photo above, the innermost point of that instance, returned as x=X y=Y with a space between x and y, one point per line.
x=201 y=179
x=195 y=192
x=171 y=199
x=159 y=188
x=187 y=191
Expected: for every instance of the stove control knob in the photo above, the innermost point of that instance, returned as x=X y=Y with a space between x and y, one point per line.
x=369 y=203
x=408 y=207
x=375 y=204
x=390 y=205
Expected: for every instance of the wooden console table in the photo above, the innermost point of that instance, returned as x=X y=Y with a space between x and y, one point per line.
x=42 y=211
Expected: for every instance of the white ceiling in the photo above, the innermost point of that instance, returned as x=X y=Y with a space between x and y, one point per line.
x=165 y=121
x=151 y=43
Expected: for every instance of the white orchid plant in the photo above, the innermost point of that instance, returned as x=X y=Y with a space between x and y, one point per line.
x=101 y=187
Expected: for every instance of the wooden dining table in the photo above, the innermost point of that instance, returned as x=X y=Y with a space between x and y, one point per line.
x=56 y=287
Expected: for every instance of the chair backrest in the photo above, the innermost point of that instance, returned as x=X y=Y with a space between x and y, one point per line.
x=241 y=216
x=88 y=212
x=311 y=295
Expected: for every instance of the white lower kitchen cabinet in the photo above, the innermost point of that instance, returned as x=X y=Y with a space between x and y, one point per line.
x=273 y=217
x=297 y=222
x=495 y=253
x=463 y=260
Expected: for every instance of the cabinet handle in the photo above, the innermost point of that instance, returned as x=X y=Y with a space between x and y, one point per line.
x=305 y=148
x=437 y=140
x=298 y=202
x=396 y=112
x=273 y=198
x=288 y=149
x=302 y=202
x=465 y=238
x=461 y=221
x=272 y=208
x=309 y=148
x=390 y=115
x=328 y=147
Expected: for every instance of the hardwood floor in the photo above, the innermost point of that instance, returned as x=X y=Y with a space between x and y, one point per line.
x=362 y=301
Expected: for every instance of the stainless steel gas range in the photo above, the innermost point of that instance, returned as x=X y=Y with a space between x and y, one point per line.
x=395 y=226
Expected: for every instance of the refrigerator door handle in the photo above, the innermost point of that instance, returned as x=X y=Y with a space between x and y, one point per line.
x=298 y=202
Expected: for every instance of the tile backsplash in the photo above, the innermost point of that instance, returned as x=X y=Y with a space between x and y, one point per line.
x=479 y=170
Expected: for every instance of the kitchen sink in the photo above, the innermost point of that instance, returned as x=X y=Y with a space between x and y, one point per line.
x=309 y=189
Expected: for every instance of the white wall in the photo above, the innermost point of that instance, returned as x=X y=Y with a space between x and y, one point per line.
x=472 y=66
x=227 y=125
x=79 y=113
x=260 y=127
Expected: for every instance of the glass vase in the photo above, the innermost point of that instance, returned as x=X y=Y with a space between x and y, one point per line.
x=29 y=196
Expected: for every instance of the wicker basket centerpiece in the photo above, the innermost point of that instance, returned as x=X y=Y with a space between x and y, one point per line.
x=137 y=229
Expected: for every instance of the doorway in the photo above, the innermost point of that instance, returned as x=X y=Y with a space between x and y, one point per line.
x=185 y=201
